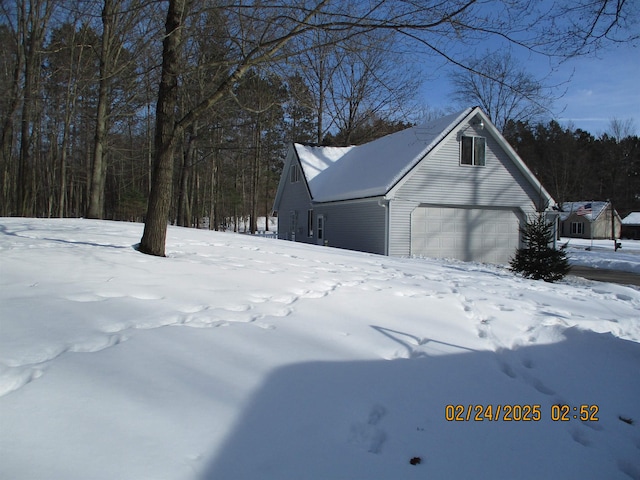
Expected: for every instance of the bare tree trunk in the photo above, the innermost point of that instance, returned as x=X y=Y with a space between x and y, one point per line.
x=195 y=208
x=213 y=216
x=185 y=173
x=34 y=17
x=26 y=139
x=70 y=101
x=182 y=209
x=7 y=137
x=155 y=227
x=99 y=167
x=255 y=178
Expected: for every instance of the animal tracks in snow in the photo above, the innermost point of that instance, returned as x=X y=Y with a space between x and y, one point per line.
x=89 y=296
x=148 y=309
x=15 y=374
x=369 y=435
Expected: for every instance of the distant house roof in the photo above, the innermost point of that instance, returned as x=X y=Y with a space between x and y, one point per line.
x=632 y=219
x=589 y=210
x=374 y=168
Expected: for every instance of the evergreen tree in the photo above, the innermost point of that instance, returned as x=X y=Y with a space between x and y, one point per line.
x=537 y=259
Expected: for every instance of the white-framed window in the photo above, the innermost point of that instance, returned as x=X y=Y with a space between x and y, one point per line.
x=309 y=223
x=294 y=173
x=472 y=151
x=577 y=228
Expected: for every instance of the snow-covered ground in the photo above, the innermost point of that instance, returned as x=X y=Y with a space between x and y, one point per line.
x=239 y=357
x=602 y=254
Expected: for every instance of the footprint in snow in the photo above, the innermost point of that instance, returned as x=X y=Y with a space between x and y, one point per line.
x=193 y=308
x=15 y=378
x=527 y=363
x=580 y=436
x=285 y=299
x=367 y=434
x=237 y=308
x=629 y=468
x=504 y=308
x=507 y=370
x=541 y=387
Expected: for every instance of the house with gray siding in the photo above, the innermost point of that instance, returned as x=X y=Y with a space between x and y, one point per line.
x=450 y=188
x=596 y=220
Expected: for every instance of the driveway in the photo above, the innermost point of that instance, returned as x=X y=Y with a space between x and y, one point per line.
x=602 y=275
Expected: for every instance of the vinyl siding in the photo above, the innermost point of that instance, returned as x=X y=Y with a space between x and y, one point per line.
x=400 y=227
x=439 y=179
x=354 y=225
x=294 y=198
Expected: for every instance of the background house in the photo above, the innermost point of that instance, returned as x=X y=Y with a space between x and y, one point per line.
x=450 y=188
x=631 y=226
x=588 y=220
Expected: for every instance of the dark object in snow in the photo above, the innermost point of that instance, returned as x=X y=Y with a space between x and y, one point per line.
x=415 y=461
x=626 y=420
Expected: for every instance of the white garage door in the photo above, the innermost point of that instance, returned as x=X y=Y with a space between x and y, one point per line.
x=468 y=234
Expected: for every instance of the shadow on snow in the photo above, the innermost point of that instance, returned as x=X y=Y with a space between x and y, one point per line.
x=368 y=419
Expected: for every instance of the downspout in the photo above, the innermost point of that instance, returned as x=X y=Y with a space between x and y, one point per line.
x=384 y=203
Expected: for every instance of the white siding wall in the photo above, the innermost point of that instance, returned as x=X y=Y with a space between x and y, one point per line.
x=441 y=180
x=400 y=227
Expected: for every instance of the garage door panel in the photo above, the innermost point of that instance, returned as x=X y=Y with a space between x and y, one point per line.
x=490 y=228
x=469 y=234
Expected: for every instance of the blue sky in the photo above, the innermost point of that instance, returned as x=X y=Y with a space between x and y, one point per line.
x=598 y=89
x=601 y=89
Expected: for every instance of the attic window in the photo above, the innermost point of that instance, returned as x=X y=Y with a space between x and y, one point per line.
x=472 y=151
x=294 y=174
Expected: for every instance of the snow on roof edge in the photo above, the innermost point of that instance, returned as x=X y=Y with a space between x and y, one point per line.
x=315 y=160
x=453 y=124
x=353 y=180
x=632 y=219
x=596 y=207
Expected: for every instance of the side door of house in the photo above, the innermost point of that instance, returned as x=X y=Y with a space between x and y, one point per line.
x=293 y=224
x=320 y=229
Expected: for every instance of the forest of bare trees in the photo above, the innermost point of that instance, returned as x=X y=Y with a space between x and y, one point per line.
x=105 y=101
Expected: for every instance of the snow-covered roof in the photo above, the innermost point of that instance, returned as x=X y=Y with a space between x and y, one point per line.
x=374 y=168
x=315 y=160
x=632 y=219
x=589 y=210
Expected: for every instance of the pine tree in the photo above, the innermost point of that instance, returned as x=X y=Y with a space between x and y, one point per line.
x=537 y=259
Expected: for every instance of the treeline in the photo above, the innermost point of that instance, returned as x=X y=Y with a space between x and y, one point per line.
x=51 y=79
x=82 y=80
x=573 y=165
x=79 y=82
